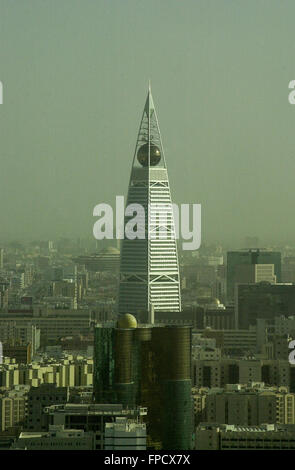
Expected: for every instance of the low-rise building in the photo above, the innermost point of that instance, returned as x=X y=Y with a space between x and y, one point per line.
x=57 y=438
x=92 y=417
x=253 y=404
x=125 y=434
x=231 y=437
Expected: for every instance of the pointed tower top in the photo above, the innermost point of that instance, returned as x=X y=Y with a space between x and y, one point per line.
x=149 y=149
x=149 y=104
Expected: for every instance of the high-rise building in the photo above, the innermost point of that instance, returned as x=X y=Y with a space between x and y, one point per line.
x=151 y=367
x=236 y=259
x=149 y=270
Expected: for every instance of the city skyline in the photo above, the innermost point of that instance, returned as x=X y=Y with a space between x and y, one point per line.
x=147 y=293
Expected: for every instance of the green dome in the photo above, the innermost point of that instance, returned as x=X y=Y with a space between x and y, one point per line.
x=127 y=321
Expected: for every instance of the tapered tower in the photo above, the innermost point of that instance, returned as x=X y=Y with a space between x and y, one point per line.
x=149 y=270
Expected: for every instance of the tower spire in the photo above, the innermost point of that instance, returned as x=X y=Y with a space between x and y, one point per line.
x=149 y=137
x=149 y=104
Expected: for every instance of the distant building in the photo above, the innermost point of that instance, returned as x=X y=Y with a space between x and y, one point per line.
x=231 y=437
x=288 y=269
x=211 y=373
x=263 y=300
x=20 y=334
x=13 y=407
x=254 y=404
x=219 y=318
x=4 y=293
x=17 y=282
x=236 y=259
x=53 y=324
x=199 y=400
x=108 y=259
x=22 y=353
x=1 y=258
x=65 y=371
x=232 y=342
x=57 y=273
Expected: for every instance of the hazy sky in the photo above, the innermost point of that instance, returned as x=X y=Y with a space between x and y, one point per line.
x=75 y=76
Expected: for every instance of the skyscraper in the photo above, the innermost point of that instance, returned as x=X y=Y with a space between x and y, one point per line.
x=151 y=367
x=149 y=270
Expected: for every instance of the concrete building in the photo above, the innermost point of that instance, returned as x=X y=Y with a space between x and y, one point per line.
x=199 y=400
x=263 y=300
x=92 y=417
x=231 y=437
x=53 y=324
x=13 y=407
x=220 y=318
x=253 y=404
x=17 y=282
x=253 y=273
x=16 y=350
x=125 y=434
x=234 y=371
x=57 y=438
x=232 y=342
x=239 y=258
x=39 y=398
x=4 y=294
x=22 y=333
x=206 y=353
x=64 y=372
x=283 y=325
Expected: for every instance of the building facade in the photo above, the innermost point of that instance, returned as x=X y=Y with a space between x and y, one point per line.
x=149 y=270
x=236 y=259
